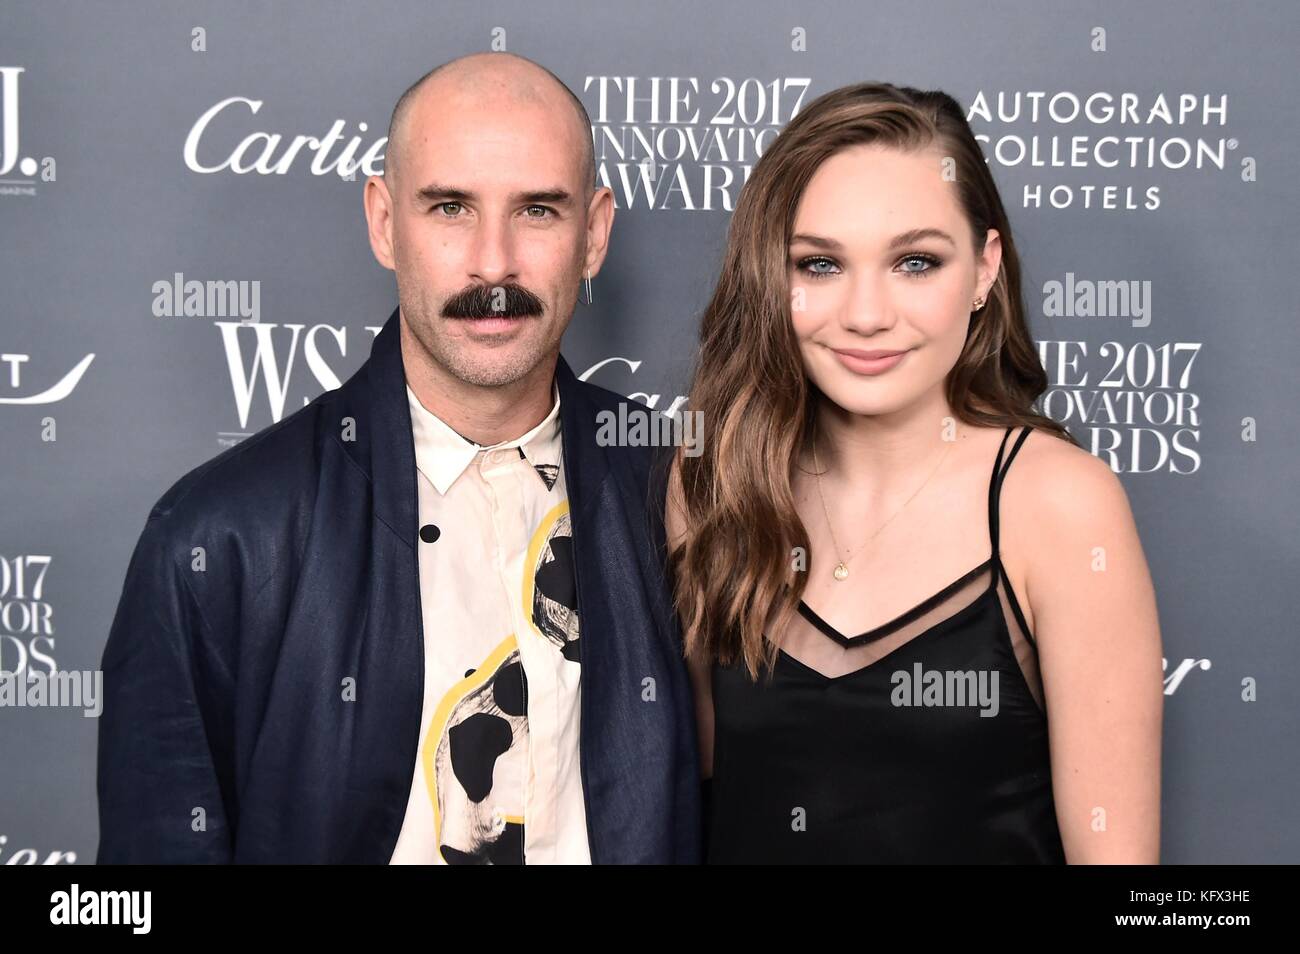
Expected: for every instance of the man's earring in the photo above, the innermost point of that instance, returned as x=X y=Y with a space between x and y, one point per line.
x=587 y=282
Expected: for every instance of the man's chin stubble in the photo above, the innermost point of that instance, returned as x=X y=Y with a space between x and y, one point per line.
x=490 y=374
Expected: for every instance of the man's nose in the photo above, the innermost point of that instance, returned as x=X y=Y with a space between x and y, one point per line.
x=492 y=258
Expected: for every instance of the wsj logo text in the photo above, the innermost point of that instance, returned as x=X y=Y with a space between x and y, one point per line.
x=28 y=166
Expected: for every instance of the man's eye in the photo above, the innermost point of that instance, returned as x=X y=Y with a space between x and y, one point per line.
x=546 y=212
x=453 y=206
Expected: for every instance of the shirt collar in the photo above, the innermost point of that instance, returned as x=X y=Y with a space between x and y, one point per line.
x=442 y=455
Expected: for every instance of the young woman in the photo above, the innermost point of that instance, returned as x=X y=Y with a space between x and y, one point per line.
x=904 y=648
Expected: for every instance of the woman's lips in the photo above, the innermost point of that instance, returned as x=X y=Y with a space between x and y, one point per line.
x=869 y=362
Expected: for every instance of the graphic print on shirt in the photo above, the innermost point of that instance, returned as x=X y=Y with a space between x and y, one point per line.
x=550 y=592
x=549 y=473
x=475 y=758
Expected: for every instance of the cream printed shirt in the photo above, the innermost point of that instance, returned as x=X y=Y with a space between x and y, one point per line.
x=497 y=778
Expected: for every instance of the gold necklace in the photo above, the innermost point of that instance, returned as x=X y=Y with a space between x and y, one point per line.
x=841 y=571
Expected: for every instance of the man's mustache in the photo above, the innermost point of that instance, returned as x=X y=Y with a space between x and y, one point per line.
x=493 y=301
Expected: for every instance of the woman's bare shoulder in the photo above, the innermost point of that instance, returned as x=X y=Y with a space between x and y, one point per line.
x=1059 y=501
x=1055 y=477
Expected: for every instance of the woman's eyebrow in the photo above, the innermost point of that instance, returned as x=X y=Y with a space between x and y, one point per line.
x=816 y=240
x=898 y=241
x=916 y=235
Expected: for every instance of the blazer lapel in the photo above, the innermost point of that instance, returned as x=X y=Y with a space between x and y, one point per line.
x=384 y=733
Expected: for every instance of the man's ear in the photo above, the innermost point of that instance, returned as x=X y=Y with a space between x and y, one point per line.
x=379 y=220
x=600 y=220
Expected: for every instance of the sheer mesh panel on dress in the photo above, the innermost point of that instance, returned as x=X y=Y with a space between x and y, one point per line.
x=825 y=652
x=1025 y=648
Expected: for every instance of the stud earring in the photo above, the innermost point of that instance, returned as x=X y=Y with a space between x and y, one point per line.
x=979 y=303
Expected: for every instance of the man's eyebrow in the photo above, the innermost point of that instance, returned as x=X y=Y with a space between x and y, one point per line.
x=898 y=241
x=431 y=193
x=445 y=193
x=553 y=196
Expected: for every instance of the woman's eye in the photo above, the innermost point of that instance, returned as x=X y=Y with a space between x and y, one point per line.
x=817 y=267
x=926 y=263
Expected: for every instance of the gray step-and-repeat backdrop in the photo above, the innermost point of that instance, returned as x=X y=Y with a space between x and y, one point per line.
x=1146 y=153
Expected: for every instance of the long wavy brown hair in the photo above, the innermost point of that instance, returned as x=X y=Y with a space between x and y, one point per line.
x=732 y=567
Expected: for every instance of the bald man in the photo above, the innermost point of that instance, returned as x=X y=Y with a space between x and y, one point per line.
x=430 y=621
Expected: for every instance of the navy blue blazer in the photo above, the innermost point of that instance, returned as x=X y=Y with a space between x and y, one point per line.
x=226 y=735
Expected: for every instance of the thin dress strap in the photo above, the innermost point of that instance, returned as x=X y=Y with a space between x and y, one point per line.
x=995 y=487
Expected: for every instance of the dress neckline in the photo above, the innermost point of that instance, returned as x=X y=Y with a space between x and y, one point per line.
x=884 y=629
x=920 y=609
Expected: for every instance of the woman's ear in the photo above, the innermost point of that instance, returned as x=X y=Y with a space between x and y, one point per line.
x=989 y=262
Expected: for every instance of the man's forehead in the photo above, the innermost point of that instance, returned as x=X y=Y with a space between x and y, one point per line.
x=490 y=159
x=518 y=146
x=453 y=101
x=492 y=109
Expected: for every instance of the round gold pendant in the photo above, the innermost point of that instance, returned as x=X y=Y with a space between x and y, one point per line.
x=841 y=571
